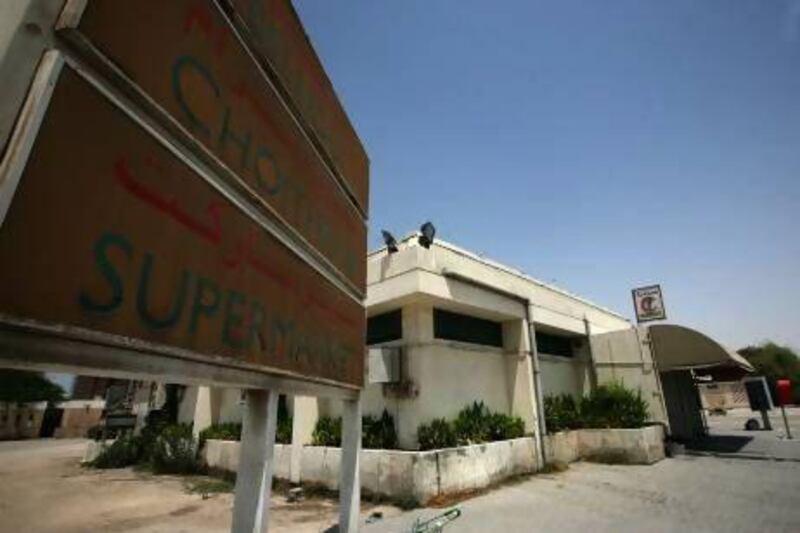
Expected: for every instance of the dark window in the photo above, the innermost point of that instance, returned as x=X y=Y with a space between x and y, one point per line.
x=553 y=344
x=385 y=327
x=458 y=327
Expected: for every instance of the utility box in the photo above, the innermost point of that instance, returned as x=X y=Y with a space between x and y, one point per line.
x=784 y=387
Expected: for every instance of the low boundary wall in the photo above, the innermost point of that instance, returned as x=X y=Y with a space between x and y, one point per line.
x=399 y=474
x=627 y=446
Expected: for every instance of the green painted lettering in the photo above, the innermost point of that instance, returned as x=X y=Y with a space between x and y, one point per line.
x=141 y=298
x=107 y=270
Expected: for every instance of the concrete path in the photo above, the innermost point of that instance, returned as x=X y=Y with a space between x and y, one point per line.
x=727 y=436
x=684 y=494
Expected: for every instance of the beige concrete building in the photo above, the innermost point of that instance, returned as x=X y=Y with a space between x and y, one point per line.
x=21 y=420
x=447 y=327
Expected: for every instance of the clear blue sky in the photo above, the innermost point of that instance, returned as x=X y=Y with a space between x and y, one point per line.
x=598 y=144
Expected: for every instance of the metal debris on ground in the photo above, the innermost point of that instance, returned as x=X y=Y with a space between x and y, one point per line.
x=296 y=494
x=437 y=523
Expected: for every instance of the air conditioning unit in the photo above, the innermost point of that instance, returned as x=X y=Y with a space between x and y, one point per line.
x=384 y=364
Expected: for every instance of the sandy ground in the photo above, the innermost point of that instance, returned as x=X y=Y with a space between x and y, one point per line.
x=43 y=488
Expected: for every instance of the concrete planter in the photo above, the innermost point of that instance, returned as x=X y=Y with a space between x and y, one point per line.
x=93 y=449
x=627 y=446
x=399 y=474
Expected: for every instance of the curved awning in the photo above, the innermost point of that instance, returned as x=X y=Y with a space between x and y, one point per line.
x=678 y=347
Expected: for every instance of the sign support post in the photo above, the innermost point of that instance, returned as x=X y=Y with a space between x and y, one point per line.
x=256 y=465
x=786 y=422
x=349 y=481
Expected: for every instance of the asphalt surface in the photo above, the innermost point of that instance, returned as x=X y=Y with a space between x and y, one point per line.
x=727 y=436
x=687 y=493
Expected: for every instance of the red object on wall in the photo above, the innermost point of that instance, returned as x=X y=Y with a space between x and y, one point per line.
x=784 y=387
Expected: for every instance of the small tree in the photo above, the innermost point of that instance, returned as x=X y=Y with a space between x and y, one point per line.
x=22 y=386
x=775 y=362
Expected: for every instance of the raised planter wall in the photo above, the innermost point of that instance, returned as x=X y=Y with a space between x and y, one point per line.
x=399 y=474
x=627 y=446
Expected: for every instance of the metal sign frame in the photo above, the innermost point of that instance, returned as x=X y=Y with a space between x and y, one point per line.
x=32 y=344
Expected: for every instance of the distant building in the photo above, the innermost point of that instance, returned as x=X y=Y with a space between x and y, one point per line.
x=21 y=420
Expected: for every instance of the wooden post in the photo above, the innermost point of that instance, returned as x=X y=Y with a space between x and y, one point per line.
x=254 y=475
x=349 y=480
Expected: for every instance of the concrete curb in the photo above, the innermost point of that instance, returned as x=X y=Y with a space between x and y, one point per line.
x=746 y=456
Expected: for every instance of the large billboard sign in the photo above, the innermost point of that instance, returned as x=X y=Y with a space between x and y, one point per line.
x=192 y=65
x=281 y=43
x=113 y=227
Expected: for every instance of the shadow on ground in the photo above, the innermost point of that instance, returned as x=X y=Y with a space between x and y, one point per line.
x=719 y=443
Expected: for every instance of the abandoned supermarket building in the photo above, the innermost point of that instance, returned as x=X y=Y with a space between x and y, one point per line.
x=447 y=327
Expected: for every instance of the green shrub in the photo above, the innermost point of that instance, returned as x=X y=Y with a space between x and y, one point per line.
x=327 y=432
x=378 y=432
x=561 y=413
x=613 y=406
x=503 y=427
x=439 y=433
x=125 y=451
x=283 y=433
x=471 y=424
x=222 y=431
x=175 y=451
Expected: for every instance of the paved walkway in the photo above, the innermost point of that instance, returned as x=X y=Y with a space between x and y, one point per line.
x=684 y=494
x=727 y=436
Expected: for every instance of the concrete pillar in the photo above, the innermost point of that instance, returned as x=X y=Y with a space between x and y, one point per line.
x=256 y=465
x=519 y=373
x=349 y=480
x=304 y=417
x=202 y=410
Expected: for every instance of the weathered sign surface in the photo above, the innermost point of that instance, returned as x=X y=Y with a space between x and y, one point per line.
x=184 y=54
x=109 y=231
x=280 y=40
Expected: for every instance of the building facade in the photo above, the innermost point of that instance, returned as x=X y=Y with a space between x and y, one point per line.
x=447 y=327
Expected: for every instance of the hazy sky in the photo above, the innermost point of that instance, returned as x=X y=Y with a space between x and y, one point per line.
x=598 y=144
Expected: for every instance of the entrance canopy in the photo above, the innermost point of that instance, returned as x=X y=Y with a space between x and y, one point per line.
x=678 y=347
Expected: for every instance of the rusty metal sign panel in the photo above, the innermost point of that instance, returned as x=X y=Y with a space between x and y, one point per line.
x=185 y=56
x=110 y=231
x=279 y=39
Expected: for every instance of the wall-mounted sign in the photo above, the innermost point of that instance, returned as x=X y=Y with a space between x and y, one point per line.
x=649 y=303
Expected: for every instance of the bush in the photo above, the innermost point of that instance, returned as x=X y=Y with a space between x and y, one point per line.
x=175 y=451
x=283 y=433
x=327 y=432
x=561 y=413
x=471 y=424
x=438 y=434
x=125 y=451
x=233 y=431
x=503 y=427
x=613 y=406
x=378 y=432
x=223 y=431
